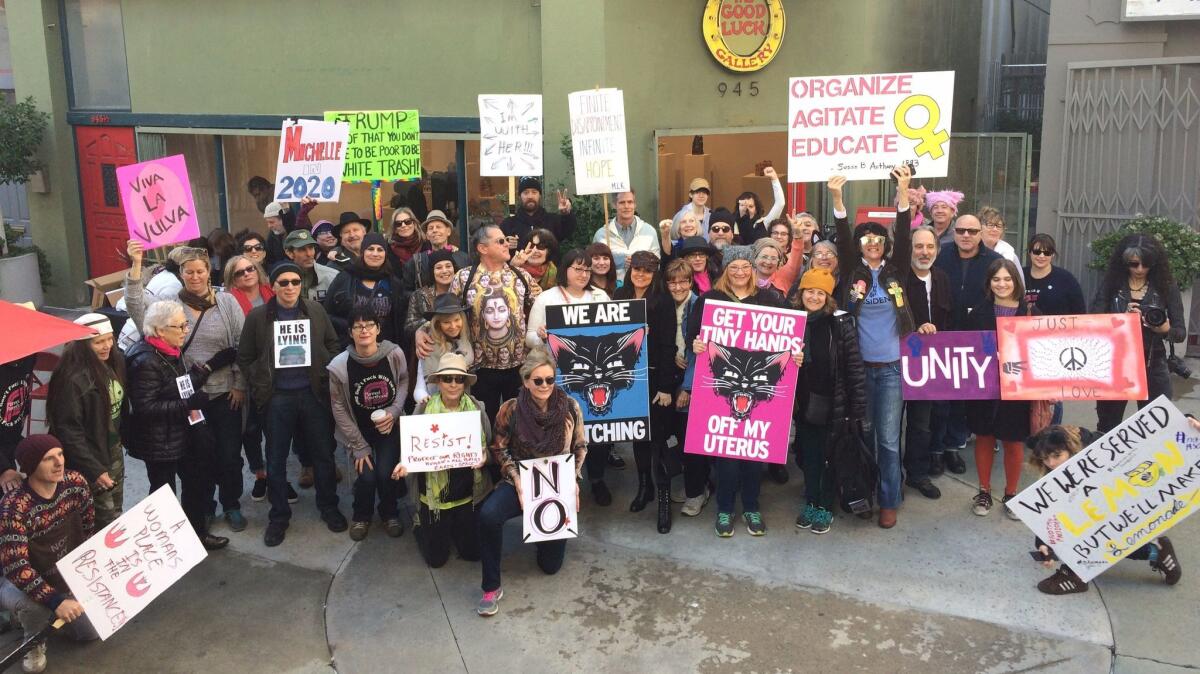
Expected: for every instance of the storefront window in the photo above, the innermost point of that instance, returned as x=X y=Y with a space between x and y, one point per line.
x=487 y=197
x=96 y=48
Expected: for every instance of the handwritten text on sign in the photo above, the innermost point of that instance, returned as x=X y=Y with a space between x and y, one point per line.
x=549 y=491
x=293 y=344
x=598 y=141
x=950 y=366
x=383 y=144
x=118 y=571
x=430 y=442
x=745 y=382
x=157 y=197
x=510 y=135
x=1118 y=493
x=862 y=126
x=1085 y=357
x=312 y=156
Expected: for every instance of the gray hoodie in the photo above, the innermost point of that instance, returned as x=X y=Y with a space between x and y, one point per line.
x=346 y=429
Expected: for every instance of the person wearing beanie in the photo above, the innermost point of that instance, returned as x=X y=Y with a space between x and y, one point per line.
x=292 y=398
x=368 y=281
x=438 y=233
x=85 y=406
x=530 y=215
x=41 y=521
x=943 y=208
x=870 y=287
x=721 y=230
x=768 y=256
x=443 y=265
x=627 y=233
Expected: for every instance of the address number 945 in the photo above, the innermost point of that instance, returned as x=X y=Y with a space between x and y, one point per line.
x=751 y=90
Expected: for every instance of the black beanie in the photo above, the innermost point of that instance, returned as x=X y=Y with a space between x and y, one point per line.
x=529 y=183
x=285 y=267
x=32 y=450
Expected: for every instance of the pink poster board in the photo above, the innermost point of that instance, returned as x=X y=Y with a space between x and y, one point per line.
x=157 y=198
x=745 y=383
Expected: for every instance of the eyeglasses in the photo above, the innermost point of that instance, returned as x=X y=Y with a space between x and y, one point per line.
x=686 y=283
x=872 y=239
x=965 y=231
x=364 y=327
x=244 y=271
x=283 y=283
x=1134 y=264
x=182 y=327
x=720 y=229
x=539 y=381
x=406 y=222
x=824 y=255
x=580 y=268
x=993 y=225
x=1040 y=251
x=455 y=379
x=254 y=248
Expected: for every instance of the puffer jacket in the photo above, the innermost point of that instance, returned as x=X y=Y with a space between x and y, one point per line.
x=855 y=278
x=158 y=419
x=849 y=398
x=79 y=416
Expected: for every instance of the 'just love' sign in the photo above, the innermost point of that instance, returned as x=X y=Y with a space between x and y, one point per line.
x=157 y=198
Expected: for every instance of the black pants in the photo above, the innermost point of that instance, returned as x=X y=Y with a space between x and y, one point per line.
x=1110 y=413
x=493 y=387
x=226 y=426
x=918 y=434
x=649 y=454
x=596 y=460
x=696 y=467
x=455 y=526
x=197 y=471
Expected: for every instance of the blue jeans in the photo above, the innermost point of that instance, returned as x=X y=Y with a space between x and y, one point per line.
x=499 y=507
x=292 y=415
x=884 y=405
x=384 y=456
x=950 y=431
x=735 y=475
x=34 y=616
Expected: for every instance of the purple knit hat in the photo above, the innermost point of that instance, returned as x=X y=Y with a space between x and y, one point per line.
x=32 y=450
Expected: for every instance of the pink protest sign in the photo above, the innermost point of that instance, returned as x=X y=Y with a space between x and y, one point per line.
x=745 y=382
x=158 y=202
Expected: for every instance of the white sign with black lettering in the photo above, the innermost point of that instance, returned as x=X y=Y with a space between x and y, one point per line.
x=548 y=490
x=293 y=343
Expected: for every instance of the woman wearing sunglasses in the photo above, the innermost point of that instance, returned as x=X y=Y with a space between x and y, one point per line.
x=1052 y=289
x=536 y=252
x=406 y=240
x=1138 y=280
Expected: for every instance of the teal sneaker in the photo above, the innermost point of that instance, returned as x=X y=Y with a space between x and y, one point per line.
x=754 y=524
x=822 y=521
x=724 y=525
x=489 y=604
x=805 y=520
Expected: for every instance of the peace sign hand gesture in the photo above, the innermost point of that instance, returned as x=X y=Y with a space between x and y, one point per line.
x=564 y=203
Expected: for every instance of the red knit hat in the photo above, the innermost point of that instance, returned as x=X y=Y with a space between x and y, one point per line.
x=32 y=450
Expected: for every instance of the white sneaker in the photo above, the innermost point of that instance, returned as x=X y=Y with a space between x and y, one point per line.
x=693 y=505
x=35 y=659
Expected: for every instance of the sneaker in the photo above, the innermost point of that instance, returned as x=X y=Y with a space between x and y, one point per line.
x=274 y=534
x=35 y=659
x=805 y=520
x=1008 y=511
x=292 y=495
x=237 y=522
x=306 y=477
x=982 y=503
x=358 y=530
x=724 y=525
x=259 y=492
x=754 y=523
x=489 y=604
x=822 y=521
x=395 y=527
x=1064 y=581
x=615 y=461
x=335 y=520
x=1167 y=562
x=692 y=506
x=954 y=461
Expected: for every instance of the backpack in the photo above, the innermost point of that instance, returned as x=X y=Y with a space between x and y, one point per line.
x=855 y=472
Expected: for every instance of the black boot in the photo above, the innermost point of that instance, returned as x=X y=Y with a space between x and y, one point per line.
x=645 y=493
x=954 y=462
x=936 y=467
x=664 y=510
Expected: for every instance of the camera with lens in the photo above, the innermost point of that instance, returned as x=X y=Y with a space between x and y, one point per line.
x=1153 y=316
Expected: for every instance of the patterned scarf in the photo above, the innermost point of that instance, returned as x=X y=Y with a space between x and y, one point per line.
x=438 y=482
x=545 y=431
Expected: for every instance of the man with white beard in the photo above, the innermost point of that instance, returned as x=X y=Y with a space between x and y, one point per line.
x=928 y=291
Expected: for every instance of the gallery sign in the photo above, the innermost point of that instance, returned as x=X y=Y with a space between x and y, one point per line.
x=743 y=35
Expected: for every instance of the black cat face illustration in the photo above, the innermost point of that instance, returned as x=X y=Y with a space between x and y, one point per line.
x=745 y=378
x=598 y=367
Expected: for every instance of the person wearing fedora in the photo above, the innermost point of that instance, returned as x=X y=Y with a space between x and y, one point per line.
x=446 y=498
x=302 y=249
x=349 y=232
x=446 y=327
x=698 y=195
x=437 y=231
x=531 y=215
x=704 y=261
x=42 y=521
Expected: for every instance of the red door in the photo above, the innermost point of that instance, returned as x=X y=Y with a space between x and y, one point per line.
x=101 y=150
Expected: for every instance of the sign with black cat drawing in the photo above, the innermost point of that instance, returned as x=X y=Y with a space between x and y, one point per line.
x=601 y=352
x=745 y=383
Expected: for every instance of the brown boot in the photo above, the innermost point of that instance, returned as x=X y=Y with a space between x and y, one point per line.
x=887 y=518
x=306 y=477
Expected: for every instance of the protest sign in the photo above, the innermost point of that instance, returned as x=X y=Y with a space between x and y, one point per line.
x=1087 y=357
x=598 y=141
x=121 y=569
x=745 y=382
x=430 y=442
x=157 y=198
x=510 y=135
x=1118 y=493
x=549 y=491
x=312 y=156
x=950 y=366
x=383 y=144
x=291 y=343
x=863 y=126
x=602 y=363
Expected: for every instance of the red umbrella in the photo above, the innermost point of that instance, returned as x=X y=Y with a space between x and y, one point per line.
x=24 y=331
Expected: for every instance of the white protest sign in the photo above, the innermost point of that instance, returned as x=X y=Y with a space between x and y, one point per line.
x=121 y=569
x=291 y=341
x=549 y=490
x=1118 y=493
x=430 y=442
x=312 y=158
x=510 y=135
x=598 y=141
x=862 y=126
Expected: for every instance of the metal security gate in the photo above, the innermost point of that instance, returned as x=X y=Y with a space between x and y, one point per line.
x=1131 y=145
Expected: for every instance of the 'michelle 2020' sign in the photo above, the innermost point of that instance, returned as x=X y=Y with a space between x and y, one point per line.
x=743 y=35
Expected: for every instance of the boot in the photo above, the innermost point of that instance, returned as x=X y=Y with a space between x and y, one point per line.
x=664 y=510
x=645 y=493
x=936 y=467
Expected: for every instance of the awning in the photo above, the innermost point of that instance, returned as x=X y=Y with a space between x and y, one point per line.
x=25 y=331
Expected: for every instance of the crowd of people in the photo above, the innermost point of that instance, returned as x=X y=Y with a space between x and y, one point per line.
x=412 y=321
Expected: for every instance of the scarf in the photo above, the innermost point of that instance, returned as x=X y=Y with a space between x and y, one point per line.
x=437 y=482
x=703 y=282
x=544 y=431
x=405 y=247
x=198 y=302
x=243 y=301
x=537 y=271
x=162 y=346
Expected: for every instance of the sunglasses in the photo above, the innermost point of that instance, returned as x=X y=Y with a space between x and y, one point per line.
x=539 y=381
x=872 y=239
x=452 y=379
x=720 y=230
x=1134 y=264
x=283 y=283
x=244 y=271
x=539 y=245
x=404 y=222
x=823 y=255
x=1040 y=251
x=965 y=231
x=254 y=248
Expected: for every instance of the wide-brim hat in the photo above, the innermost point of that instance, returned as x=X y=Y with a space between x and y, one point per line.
x=451 y=363
x=694 y=244
x=348 y=217
x=444 y=305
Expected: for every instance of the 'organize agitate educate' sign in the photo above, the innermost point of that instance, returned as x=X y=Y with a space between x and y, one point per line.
x=383 y=144
x=157 y=197
x=598 y=141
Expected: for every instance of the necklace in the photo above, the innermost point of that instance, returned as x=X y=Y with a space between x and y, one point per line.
x=1139 y=289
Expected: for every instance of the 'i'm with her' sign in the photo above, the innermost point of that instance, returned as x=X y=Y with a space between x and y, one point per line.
x=549 y=498
x=745 y=382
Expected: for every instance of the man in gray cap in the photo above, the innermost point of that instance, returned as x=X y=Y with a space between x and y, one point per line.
x=301 y=248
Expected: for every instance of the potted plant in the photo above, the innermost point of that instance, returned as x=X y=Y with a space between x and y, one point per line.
x=23 y=270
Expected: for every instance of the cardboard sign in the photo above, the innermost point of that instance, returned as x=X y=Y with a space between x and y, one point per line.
x=745 y=383
x=1119 y=493
x=383 y=144
x=600 y=349
x=862 y=126
x=312 y=156
x=121 y=569
x=950 y=366
x=430 y=442
x=598 y=141
x=1087 y=357
x=157 y=198
x=292 y=345
x=549 y=489
x=510 y=135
